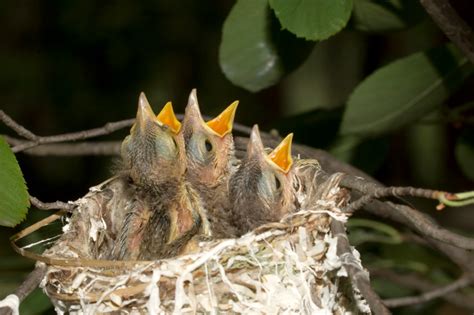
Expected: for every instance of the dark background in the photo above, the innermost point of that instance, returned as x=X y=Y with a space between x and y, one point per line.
x=72 y=65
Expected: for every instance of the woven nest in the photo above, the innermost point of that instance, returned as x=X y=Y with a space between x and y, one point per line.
x=285 y=267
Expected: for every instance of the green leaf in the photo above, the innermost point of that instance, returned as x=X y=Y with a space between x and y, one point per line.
x=465 y=153
x=313 y=19
x=254 y=53
x=14 y=201
x=386 y=15
x=364 y=230
x=404 y=91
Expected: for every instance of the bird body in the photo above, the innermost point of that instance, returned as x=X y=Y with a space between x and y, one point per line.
x=165 y=213
x=263 y=188
x=211 y=162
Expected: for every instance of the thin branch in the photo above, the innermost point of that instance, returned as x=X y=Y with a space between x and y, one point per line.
x=31 y=282
x=108 y=128
x=96 y=148
x=356 y=274
x=430 y=295
x=381 y=192
x=57 y=205
x=408 y=216
x=414 y=281
x=19 y=129
x=449 y=21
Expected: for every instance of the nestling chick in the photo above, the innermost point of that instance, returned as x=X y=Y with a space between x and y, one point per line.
x=166 y=213
x=211 y=162
x=263 y=188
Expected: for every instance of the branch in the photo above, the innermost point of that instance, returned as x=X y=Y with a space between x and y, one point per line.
x=108 y=128
x=19 y=129
x=455 y=28
x=381 y=192
x=98 y=148
x=31 y=282
x=359 y=276
x=57 y=205
x=408 y=216
x=416 y=282
x=430 y=295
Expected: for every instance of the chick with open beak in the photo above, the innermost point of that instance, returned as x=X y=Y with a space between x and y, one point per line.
x=263 y=188
x=166 y=212
x=211 y=162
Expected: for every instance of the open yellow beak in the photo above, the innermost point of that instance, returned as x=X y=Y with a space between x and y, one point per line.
x=168 y=118
x=223 y=123
x=281 y=156
x=144 y=113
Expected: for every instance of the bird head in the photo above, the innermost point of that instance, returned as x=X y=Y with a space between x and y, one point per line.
x=209 y=145
x=154 y=153
x=263 y=185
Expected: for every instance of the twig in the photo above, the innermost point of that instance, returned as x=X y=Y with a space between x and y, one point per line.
x=430 y=295
x=108 y=128
x=57 y=205
x=455 y=28
x=359 y=276
x=19 y=129
x=414 y=281
x=381 y=192
x=29 y=285
x=70 y=149
x=408 y=216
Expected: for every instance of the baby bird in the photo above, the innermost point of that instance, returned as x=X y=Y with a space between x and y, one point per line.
x=263 y=189
x=166 y=212
x=211 y=162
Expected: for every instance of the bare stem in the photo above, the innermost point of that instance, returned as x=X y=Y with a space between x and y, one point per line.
x=430 y=295
x=449 y=21
x=29 y=285
x=57 y=205
x=381 y=192
x=19 y=129
x=415 y=281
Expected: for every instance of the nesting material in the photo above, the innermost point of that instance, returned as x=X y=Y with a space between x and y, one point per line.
x=286 y=267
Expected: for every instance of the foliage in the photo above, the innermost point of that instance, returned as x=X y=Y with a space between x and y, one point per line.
x=405 y=91
x=400 y=93
x=14 y=200
x=76 y=65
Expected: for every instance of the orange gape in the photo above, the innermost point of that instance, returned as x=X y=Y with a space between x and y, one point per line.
x=168 y=118
x=281 y=156
x=222 y=124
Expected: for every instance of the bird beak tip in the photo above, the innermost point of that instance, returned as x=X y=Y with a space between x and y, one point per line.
x=255 y=145
x=281 y=155
x=145 y=112
x=223 y=123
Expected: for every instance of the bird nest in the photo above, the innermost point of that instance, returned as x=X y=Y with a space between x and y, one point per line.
x=287 y=267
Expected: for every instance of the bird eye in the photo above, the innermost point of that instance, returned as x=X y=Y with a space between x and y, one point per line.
x=208 y=145
x=277 y=183
x=174 y=142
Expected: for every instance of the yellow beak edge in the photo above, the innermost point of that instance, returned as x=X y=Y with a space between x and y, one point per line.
x=281 y=155
x=223 y=123
x=168 y=118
